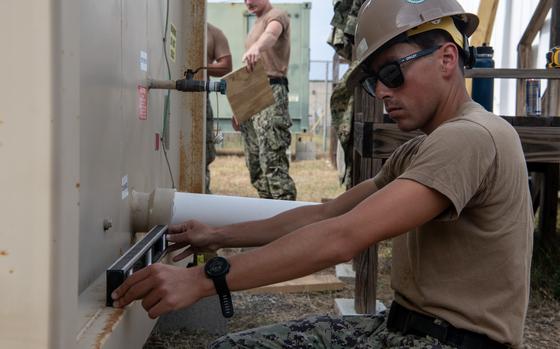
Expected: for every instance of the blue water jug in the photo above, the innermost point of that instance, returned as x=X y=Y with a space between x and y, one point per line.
x=483 y=88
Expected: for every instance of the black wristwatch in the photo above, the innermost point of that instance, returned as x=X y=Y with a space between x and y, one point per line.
x=216 y=269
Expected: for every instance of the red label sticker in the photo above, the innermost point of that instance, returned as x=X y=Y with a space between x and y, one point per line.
x=157 y=142
x=142 y=103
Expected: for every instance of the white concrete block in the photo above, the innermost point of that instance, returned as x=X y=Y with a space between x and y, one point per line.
x=345 y=306
x=345 y=272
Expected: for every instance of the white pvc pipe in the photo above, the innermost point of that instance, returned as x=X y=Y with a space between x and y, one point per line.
x=217 y=210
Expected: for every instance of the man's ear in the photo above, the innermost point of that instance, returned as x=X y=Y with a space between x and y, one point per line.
x=450 y=57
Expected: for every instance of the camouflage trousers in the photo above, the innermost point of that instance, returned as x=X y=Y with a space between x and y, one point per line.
x=358 y=331
x=266 y=138
x=210 y=147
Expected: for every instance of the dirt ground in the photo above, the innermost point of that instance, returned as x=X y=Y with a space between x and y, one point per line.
x=230 y=177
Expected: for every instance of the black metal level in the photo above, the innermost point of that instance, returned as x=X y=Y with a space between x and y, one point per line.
x=145 y=252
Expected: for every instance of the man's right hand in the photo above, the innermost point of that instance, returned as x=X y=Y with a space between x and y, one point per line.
x=163 y=288
x=251 y=57
x=235 y=124
x=194 y=236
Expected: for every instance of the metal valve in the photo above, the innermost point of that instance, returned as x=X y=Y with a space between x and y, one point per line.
x=189 y=84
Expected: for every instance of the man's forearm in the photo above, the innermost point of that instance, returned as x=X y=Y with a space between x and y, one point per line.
x=396 y=209
x=294 y=255
x=266 y=41
x=262 y=232
x=221 y=67
x=217 y=70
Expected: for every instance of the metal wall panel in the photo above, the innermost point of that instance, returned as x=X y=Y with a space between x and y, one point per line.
x=39 y=141
x=27 y=122
x=67 y=142
x=100 y=127
x=115 y=143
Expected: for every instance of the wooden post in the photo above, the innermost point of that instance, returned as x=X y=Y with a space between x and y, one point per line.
x=524 y=49
x=367 y=110
x=551 y=102
x=549 y=212
x=555 y=24
x=192 y=145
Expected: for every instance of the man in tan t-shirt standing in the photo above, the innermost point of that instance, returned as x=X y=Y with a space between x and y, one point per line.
x=455 y=201
x=219 y=64
x=266 y=135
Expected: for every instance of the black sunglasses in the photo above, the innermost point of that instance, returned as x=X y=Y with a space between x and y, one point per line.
x=391 y=74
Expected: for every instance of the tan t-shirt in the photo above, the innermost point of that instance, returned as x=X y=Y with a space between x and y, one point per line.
x=471 y=265
x=216 y=44
x=276 y=58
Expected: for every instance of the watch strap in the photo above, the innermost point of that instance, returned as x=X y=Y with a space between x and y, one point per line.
x=224 y=296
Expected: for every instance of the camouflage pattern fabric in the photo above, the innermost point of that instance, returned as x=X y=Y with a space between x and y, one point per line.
x=340 y=43
x=210 y=147
x=266 y=138
x=358 y=331
x=352 y=19
x=341 y=8
x=176 y=339
x=342 y=111
x=344 y=26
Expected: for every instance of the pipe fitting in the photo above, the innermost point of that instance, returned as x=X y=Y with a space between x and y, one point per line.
x=150 y=209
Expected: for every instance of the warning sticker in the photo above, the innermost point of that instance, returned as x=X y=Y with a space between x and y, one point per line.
x=172 y=42
x=142 y=102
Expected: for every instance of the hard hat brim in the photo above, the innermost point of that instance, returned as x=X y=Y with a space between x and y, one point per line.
x=358 y=73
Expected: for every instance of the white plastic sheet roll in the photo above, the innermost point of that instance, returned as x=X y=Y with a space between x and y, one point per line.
x=217 y=210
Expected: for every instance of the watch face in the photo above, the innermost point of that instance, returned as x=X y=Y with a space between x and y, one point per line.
x=216 y=266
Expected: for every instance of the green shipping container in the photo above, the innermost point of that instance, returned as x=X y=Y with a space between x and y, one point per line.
x=236 y=22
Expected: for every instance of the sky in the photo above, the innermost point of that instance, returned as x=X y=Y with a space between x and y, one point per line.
x=321 y=15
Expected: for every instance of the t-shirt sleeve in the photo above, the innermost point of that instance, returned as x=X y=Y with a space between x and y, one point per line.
x=454 y=160
x=279 y=16
x=397 y=162
x=221 y=45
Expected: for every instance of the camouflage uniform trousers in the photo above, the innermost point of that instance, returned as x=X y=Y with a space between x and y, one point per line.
x=210 y=147
x=266 y=138
x=358 y=331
